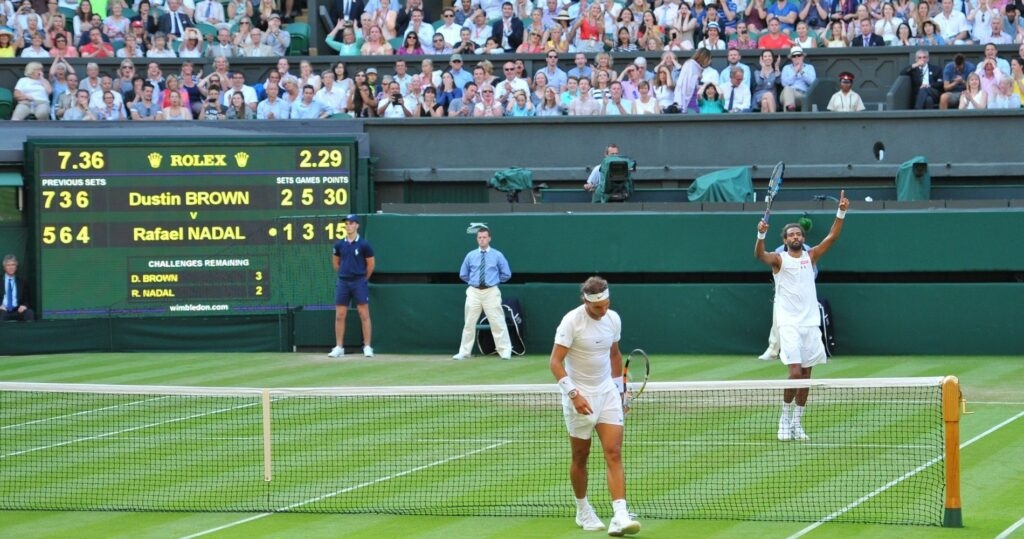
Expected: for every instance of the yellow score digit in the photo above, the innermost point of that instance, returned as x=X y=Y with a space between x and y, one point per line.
x=65 y=235
x=85 y=160
x=66 y=199
x=320 y=158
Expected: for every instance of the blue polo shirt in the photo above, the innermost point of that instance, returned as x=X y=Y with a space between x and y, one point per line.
x=353 y=255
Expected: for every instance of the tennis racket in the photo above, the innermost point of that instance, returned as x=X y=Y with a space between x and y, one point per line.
x=774 y=184
x=641 y=365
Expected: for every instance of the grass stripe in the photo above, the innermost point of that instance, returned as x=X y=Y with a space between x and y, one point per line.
x=904 y=477
x=349 y=489
x=83 y=412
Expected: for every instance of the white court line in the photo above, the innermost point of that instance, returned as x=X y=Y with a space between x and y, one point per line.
x=122 y=431
x=895 y=482
x=83 y=412
x=347 y=489
x=1006 y=533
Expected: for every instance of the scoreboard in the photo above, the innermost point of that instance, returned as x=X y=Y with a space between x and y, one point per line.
x=204 y=225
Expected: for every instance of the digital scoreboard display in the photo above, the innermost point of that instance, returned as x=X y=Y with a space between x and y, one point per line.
x=188 y=226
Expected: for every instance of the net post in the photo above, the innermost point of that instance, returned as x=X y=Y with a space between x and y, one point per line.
x=267 y=471
x=952 y=517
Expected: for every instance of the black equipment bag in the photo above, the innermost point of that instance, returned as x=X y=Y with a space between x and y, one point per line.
x=828 y=328
x=514 y=322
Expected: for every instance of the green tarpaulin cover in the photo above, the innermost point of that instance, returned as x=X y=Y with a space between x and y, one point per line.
x=729 y=185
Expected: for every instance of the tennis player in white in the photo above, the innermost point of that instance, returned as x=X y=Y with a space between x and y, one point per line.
x=796 y=311
x=587 y=363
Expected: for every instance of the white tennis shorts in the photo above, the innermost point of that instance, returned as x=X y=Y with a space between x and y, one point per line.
x=801 y=345
x=605 y=408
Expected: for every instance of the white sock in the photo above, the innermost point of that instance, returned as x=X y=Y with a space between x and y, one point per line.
x=785 y=411
x=582 y=503
x=797 y=413
x=619 y=509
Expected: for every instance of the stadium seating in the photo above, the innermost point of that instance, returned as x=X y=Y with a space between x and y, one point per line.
x=6 y=104
x=299 y=32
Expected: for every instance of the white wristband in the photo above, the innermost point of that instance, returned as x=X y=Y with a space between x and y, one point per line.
x=619 y=385
x=841 y=214
x=566 y=385
x=762 y=235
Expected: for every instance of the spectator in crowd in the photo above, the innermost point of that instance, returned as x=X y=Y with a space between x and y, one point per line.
x=465 y=44
x=1017 y=78
x=688 y=83
x=584 y=103
x=278 y=39
x=929 y=35
x=264 y=10
x=710 y=100
x=664 y=87
x=837 y=35
x=815 y=13
x=756 y=16
x=463 y=106
x=997 y=36
x=109 y=111
x=363 y=101
x=712 y=39
x=91 y=82
x=174 y=22
x=450 y=30
x=805 y=37
x=375 y=44
x=308 y=76
x=333 y=96
x=973 y=96
x=191 y=45
x=347 y=46
x=488 y=106
x=990 y=77
x=80 y=110
x=273 y=107
x=144 y=108
x=954 y=81
x=83 y=14
x=1012 y=23
x=1003 y=97
x=35 y=48
x=421 y=27
x=243 y=35
x=511 y=84
x=867 y=37
x=257 y=47
x=645 y=103
x=8 y=48
x=775 y=38
x=347 y=11
x=845 y=100
x=952 y=24
x=904 y=36
x=66 y=99
x=17 y=294
x=96 y=47
x=429 y=77
x=148 y=21
x=116 y=25
x=508 y=30
x=211 y=12
x=308 y=108
x=925 y=81
x=131 y=48
x=735 y=91
x=992 y=54
x=239 y=11
x=582 y=69
x=407 y=15
x=223 y=46
x=176 y=111
x=153 y=75
x=32 y=94
x=238 y=85
x=980 y=17
x=394 y=104
x=616 y=104
x=173 y=86
x=210 y=109
x=733 y=60
x=920 y=13
x=161 y=47
x=480 y=31
x=428 y=105
x=125 y=73
x=741 y=39
x=797 y=78
x=786 y=13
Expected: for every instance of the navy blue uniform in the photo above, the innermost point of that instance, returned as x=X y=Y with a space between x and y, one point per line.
x=352 y=284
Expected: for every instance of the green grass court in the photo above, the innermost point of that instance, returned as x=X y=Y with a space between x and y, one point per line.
x=992 y=441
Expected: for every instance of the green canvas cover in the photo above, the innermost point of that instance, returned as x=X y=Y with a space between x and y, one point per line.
x=512 y=179
x=728 y=185
x=616 y=179
x=910 y=186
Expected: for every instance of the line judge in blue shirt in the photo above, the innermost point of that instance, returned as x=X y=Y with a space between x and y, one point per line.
x=354 y=262
x=483 y=269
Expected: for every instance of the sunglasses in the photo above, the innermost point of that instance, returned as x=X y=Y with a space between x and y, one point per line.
x=488 y=91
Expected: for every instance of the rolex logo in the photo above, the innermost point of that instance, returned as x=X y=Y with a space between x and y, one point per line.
x=155 y=159
x=242 y=159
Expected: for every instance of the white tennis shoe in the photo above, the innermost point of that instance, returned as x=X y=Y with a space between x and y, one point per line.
x=785 y=430
x=798 y=433
x=337 y=351
x=768 y=355
x=587 y=519
x=623 y=526
x=368 y=351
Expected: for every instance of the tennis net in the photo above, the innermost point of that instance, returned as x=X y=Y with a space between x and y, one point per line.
x=703 y=450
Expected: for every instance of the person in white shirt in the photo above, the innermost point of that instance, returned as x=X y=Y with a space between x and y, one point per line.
x=511 y=84
x=332 y=95
x=238 y=85
x=393 y=105
x=211 y=12
x=952 y=24
x=796 y=311
x=845 y=100
x=449 y=30
x=587 y=363
x=735 y=93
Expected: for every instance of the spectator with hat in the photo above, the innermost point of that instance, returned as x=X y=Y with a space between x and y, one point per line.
x=712 y=38
x=279 y=40
x=797 y=78
x=845 y=100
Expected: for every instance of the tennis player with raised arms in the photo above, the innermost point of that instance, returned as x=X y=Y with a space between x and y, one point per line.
x=796 y=311
x=587 y=363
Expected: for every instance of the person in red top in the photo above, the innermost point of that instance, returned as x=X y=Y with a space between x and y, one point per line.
x=96 y=48
x=774 y=39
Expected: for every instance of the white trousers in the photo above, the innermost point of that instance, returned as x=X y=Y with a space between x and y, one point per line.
x=487 y=301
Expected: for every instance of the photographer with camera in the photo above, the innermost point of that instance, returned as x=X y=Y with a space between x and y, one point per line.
x=394 y=105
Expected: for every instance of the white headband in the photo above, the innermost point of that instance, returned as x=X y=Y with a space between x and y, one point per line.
x=600 y=296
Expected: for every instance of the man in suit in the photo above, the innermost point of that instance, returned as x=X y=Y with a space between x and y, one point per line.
x=347 y=10
x=925 y=81
x=175 y=21
x=508 y=32
x=16 y=294
x=867 y=37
